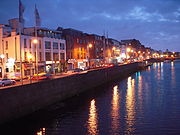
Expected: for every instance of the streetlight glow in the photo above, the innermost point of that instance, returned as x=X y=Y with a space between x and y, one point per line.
x=35 y=41
x=128 y=49
x=114 y=48
x=30 y=56
x=2 y=56
x=90 y=45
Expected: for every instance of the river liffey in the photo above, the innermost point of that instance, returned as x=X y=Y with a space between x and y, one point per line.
x=145 y=103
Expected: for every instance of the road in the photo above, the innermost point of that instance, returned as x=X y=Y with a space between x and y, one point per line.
x=25 y=82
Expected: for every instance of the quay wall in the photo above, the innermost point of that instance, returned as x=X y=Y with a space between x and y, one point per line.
x=19 y=101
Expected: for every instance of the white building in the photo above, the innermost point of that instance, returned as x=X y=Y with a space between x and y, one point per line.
x=16 y=49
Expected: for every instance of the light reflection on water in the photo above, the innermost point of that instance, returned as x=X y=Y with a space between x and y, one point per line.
x=137 y=105
x=146 y=103
x=93 y=119
x=42 y=131
x=159 y=67
x=115 y=116
x=140 y=96
x=162 y=71
x=130 y=106
x=173 y=79
x=159 y=71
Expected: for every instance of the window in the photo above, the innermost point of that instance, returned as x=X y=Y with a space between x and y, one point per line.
x=35 y=56
x=62 y=56
x=48 y=56
x=71 y=55
x=6 y=45
x=78 y=56
x=30 y=43
x=25 y=45
x=62 y=46
x=40 y=56
x=55 y=56
x=47 y=45
x=25 y=56
x=39 y=44
x=7 y=56
x=55 y=45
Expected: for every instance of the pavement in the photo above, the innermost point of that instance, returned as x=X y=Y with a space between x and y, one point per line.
x=59 y=75
x=25 y=82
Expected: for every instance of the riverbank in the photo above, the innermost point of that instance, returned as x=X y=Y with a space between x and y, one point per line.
x=20 y=101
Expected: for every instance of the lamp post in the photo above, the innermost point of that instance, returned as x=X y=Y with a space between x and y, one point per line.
x=113 y=49
x=30 y=61
x=88 y=53
x=2 y=61
x=35 y=42
x=127 y=52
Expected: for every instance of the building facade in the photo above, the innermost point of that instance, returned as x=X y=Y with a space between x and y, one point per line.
x=77 y=48
x=19 y=51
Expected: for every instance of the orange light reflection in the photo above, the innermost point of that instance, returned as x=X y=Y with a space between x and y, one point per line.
x=173 y=73
x=130 y=105
x=115 y=110
x=42 y=131
x=140 y=97
x=93 y=119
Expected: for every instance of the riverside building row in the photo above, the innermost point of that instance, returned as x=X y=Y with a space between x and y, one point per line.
x=58 y=50
x=19 y=50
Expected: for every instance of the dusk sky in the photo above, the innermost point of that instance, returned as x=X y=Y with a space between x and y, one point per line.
x=156 y=23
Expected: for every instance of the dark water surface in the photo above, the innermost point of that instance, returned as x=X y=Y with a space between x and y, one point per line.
x=145 y=103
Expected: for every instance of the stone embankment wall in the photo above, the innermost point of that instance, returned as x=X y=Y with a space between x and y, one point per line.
x=20 y=101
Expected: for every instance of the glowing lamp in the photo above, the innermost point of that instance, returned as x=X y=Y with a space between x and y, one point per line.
x=128 y=49
x=35 y=41
x=2 y=56
x=90 y=45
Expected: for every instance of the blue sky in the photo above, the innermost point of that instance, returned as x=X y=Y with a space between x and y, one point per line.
x=156 y=23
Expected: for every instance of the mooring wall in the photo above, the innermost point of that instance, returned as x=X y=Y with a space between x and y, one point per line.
x=16 y=102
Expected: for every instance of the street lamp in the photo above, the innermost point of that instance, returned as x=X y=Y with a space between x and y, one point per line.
x=128 y=49
x=2 y=57
x=113 y=49
x=35 y=42
x=90 y=45
x=30 y=61
x=88 y=53
x=127 y=52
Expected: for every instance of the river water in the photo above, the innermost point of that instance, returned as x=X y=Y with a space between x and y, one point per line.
x=145 y=103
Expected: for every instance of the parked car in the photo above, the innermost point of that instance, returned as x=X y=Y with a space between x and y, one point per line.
x=42 y=76
x=108 y=65
x=17 y=77
x=69 y=71
x=4 y=82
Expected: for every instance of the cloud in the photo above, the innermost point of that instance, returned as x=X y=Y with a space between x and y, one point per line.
x=163 y=36
x=140 y=13
x=121 y=18
x=177 y=13
x=104 y=15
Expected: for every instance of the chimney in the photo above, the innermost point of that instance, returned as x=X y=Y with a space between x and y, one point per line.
x=13 y=32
